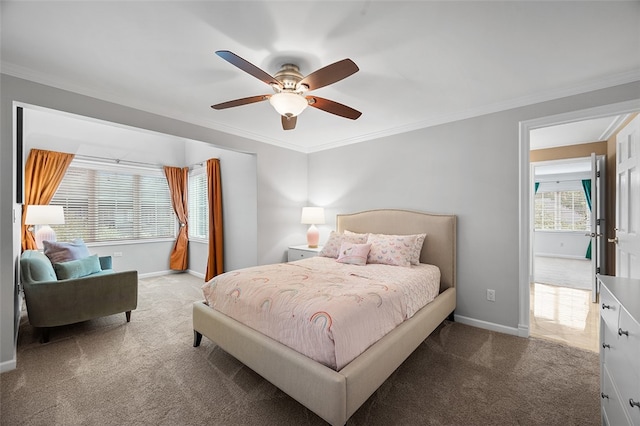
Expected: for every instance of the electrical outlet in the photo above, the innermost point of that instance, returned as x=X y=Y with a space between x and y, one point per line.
x=491 y=295
x=117 y=254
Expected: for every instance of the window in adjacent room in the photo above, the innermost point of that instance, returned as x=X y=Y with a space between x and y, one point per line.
x=198 y=205
x=565 y=210
x=106 y=202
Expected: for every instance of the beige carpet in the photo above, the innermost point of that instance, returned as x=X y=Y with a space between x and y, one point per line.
x=146 y=372
x=564 y=272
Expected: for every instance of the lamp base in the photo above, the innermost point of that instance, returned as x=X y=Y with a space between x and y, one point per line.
x=44 y=233
x=313 y=236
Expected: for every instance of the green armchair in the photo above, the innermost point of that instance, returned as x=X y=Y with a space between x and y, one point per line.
x=89 y=289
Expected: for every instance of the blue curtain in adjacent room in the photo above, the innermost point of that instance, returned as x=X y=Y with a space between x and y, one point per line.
x=536 y=187
x=586 y=185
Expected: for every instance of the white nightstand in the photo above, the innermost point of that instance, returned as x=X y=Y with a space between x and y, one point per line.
x=302 y=252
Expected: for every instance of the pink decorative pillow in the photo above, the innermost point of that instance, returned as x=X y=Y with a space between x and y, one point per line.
x=356 y=235
x=64 y=252
x=415 y=254
x=332 y=246
x=396 y=250
x=354 y=254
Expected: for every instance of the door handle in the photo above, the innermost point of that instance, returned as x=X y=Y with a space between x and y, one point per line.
x=613 y=240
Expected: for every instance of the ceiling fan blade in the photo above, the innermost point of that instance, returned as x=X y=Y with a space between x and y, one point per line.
x=333 y=107
x=329 y=74
x=288 y=123
x=239 y=102
x=247 y=67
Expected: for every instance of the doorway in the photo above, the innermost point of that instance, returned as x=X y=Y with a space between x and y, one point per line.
x=562 y=282
x=527 y=189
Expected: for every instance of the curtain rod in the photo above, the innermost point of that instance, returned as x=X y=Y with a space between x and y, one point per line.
x=560 y=180
x=116 y=160
x=119 y=161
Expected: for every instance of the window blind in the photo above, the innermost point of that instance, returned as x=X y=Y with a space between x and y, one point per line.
x=105 y=202
x=198 y=205
x=562 y=211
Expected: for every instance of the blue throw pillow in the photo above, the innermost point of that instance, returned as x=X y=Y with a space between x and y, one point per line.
x=77 y=268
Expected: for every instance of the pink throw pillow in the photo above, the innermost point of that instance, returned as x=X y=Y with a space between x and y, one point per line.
x=353 y=254
x=332 y=246
x=397 y=250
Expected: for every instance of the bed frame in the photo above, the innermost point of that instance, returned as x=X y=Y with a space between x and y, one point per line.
x=336 y=395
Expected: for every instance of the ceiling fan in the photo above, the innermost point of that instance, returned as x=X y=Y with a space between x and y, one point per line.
x=290 y=88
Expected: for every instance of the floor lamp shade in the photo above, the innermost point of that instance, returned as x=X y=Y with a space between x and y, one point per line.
x=44 y=215
x=312 y=216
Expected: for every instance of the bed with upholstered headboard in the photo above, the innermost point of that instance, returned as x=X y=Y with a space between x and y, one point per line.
x=336 y=395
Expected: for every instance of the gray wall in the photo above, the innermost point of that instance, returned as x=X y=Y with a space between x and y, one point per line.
x=439 y=169
x=281 y=182
x=469 y=168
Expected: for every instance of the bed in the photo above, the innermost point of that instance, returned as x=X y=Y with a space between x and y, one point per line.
x=336 y=395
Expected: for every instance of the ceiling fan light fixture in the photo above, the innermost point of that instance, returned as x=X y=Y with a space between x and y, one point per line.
x=288 y=104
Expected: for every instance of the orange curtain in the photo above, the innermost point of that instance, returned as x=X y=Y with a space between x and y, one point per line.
x=215 y=261
x=177 y=179
x=42 y=176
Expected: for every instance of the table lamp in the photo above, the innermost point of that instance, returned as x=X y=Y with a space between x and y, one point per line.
x=44 y=215
x=312 y=216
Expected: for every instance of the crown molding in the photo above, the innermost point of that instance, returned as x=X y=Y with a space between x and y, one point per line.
x=603 y=83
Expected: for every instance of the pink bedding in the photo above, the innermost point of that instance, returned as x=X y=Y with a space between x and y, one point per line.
x=328 y=311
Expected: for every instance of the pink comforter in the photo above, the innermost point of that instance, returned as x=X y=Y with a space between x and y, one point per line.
x=328 y=311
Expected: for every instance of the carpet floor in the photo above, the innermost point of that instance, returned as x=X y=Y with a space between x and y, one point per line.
x=146 y=372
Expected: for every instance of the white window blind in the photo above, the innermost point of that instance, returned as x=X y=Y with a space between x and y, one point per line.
x=562 y=211
x=104 y=202
x=198 y=205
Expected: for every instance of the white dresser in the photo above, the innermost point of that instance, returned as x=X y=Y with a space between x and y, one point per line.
x=620 y=350
x=302 y=252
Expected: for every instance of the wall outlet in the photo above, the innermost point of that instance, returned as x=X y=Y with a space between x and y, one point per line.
x=491 y=295
x=117 y=254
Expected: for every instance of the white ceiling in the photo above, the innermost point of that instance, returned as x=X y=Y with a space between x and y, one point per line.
x=421 y=63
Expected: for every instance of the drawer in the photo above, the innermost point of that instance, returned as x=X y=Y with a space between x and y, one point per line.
x=613 y=410
x=629 y=386
x=609 y=308
x=296 y=254
x=629 y=340
x=609 y=315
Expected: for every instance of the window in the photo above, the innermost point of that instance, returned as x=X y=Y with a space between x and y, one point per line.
x=104 y=202
x=562 y=211
x=198 y=205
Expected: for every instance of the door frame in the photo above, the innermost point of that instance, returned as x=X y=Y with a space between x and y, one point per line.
x=526 y=189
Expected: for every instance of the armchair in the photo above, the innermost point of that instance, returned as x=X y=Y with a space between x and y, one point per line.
x=53 y=302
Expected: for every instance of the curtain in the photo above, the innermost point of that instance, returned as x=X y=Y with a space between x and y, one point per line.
x=177 y=179
x=215 y=261
x=586 y=185
x=43 y=173
x=537 y=185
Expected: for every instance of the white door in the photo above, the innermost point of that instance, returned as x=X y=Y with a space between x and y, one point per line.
x=598 y=247
x=627 y=237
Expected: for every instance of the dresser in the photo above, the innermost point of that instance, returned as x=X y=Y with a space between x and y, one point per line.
x=302 y=252
x=620 y=350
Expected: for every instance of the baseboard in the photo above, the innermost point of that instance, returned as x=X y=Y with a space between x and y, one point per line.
x=8 y=365
x=158 y=274
x=563 y=256
x=161 y=273
x=195 y=274
x=488 y=325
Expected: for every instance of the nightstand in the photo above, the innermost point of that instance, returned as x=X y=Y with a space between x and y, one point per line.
x=302 y=252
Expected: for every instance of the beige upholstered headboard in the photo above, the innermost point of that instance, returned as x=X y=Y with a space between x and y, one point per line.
x=439 y=247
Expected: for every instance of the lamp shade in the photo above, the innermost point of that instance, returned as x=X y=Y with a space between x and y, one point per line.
x=288 y=104
x=44 y=215
x=312 y=216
